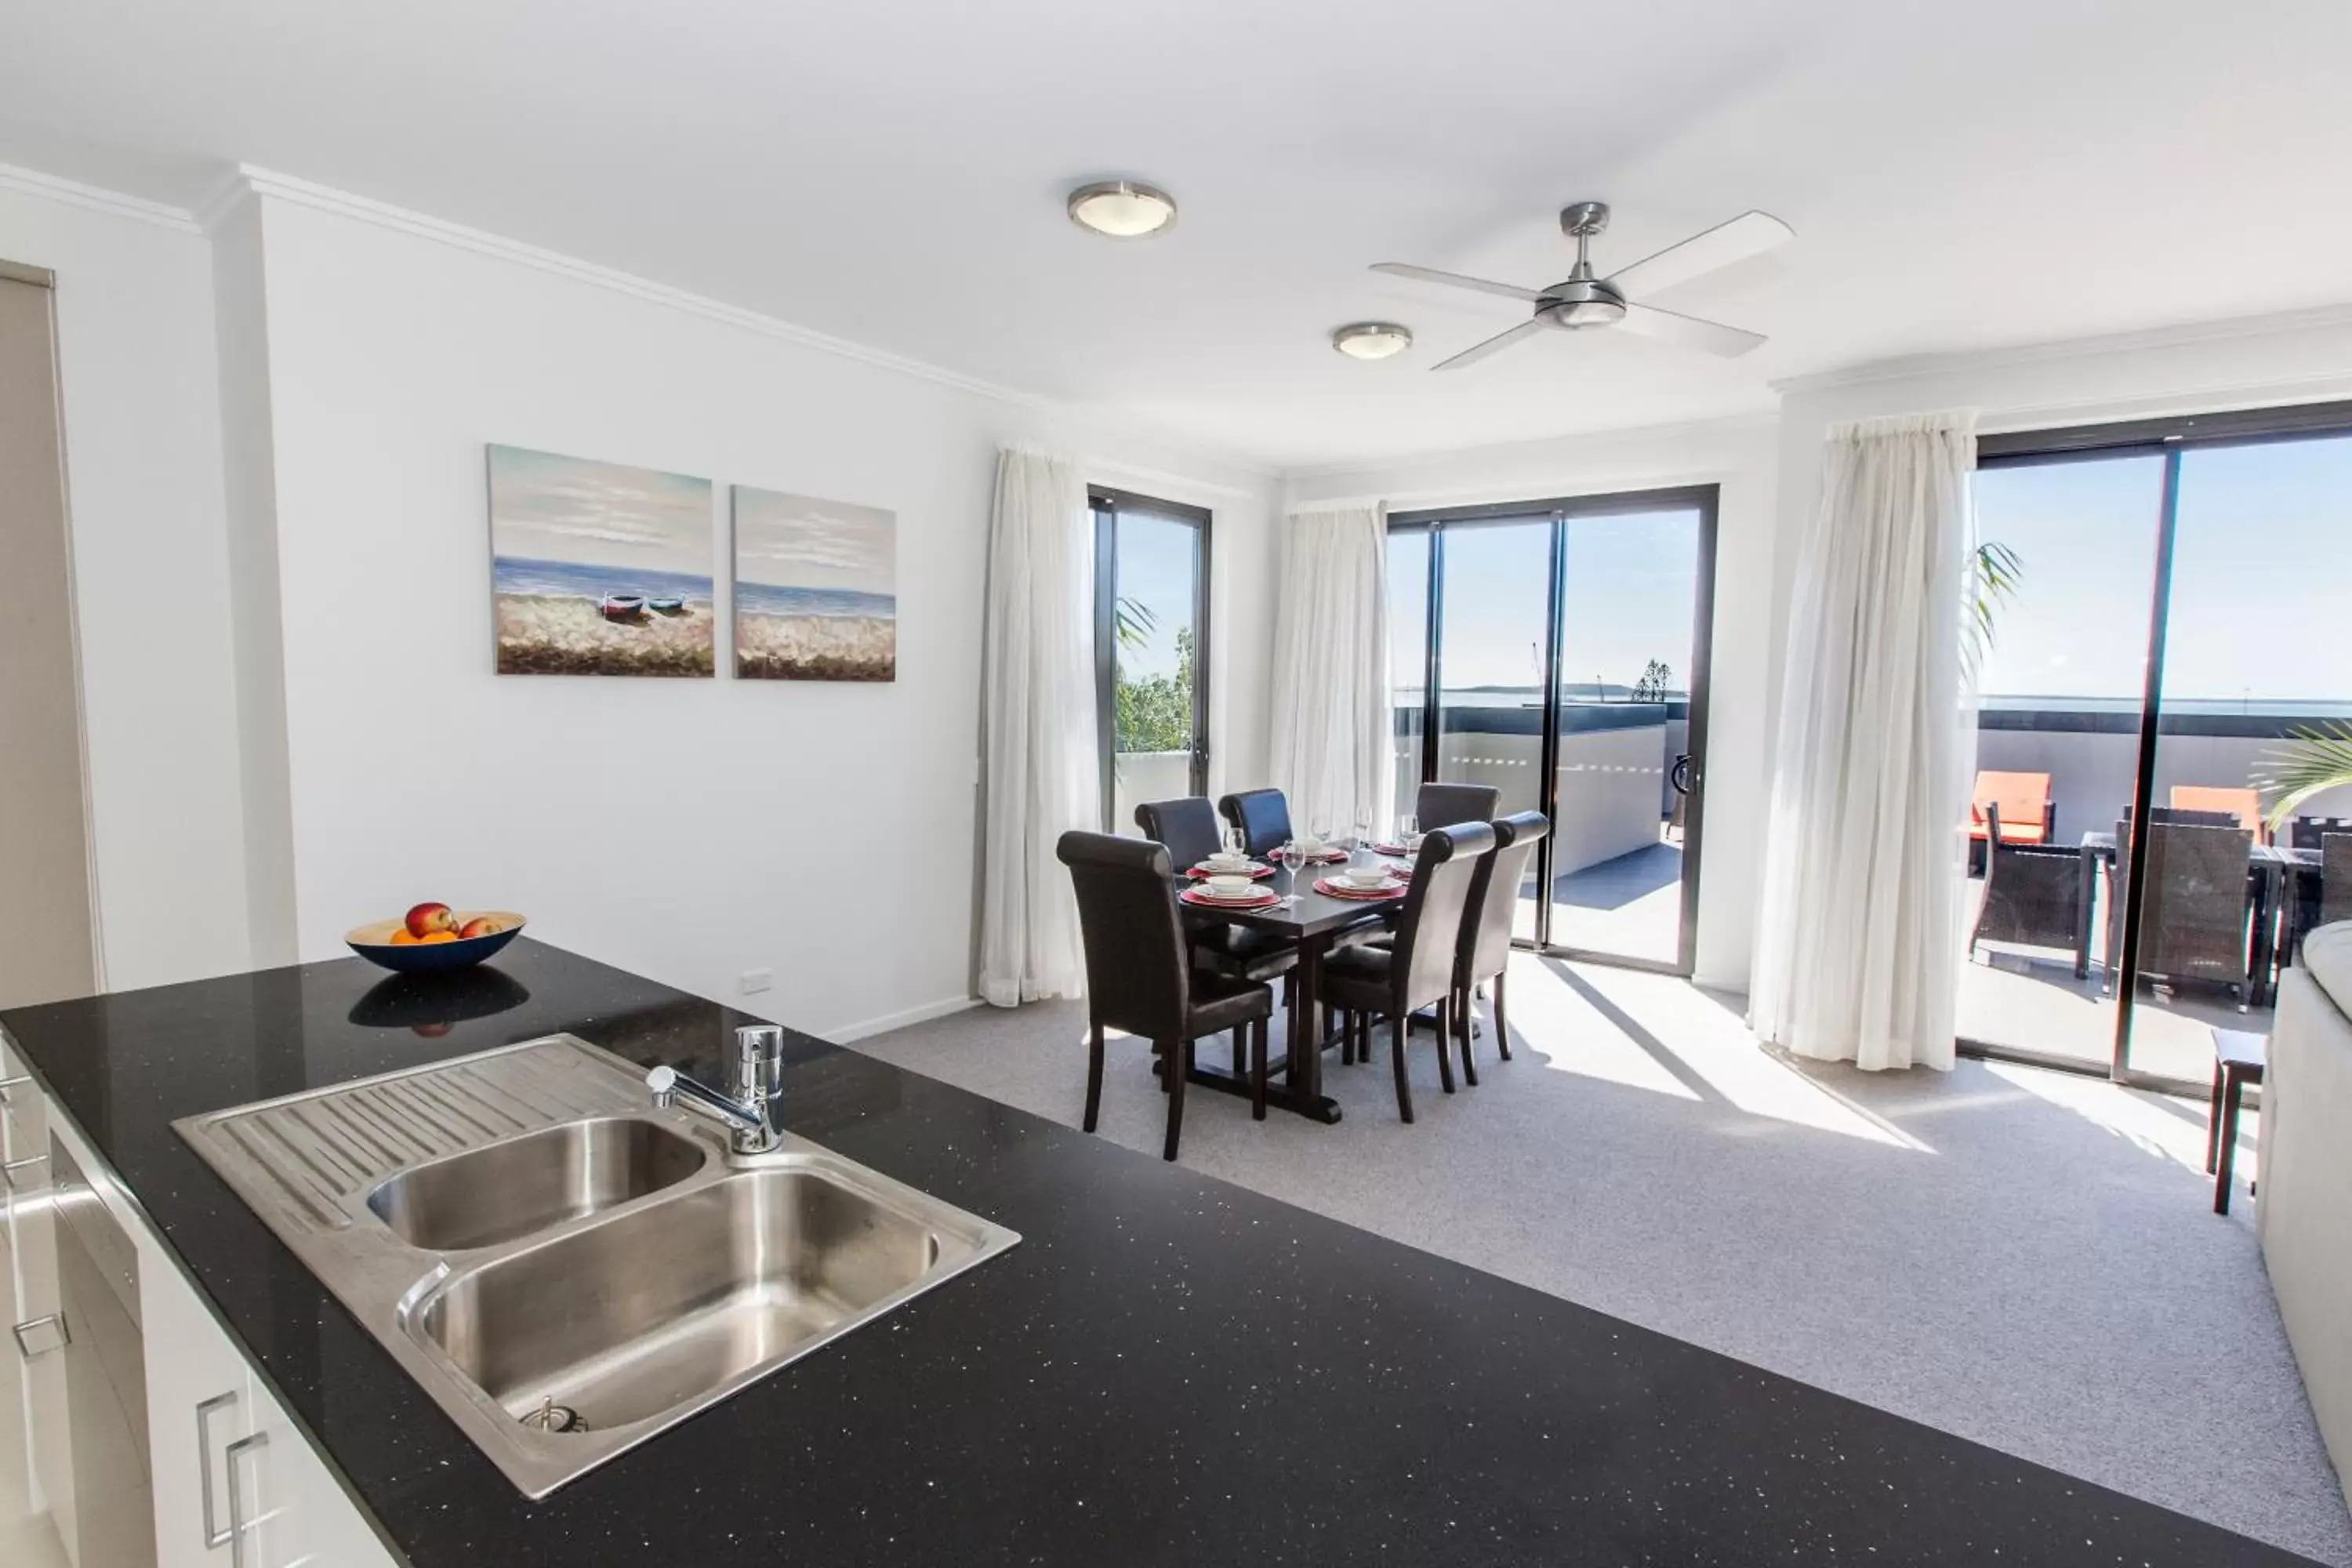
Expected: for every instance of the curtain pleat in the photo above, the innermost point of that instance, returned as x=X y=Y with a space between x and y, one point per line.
x=1857 y=941
x=1038 y=718
x=1332 y=751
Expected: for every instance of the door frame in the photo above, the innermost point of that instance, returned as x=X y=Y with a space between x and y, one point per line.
x=1562 y=511
x=1106 y=503
x=2169 y=439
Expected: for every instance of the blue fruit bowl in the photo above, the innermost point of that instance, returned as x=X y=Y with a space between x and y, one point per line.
x=374 y=943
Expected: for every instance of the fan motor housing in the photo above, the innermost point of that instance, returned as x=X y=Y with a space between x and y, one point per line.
x=1581 y=302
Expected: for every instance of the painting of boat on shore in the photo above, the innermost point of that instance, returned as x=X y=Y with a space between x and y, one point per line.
x=599 y=568
x=816 y=589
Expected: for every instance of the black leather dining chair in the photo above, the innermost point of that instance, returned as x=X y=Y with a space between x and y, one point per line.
x=1140 y=978
x=1483 y=956
x=1188 y=827
x=1443 y=804
x=1262 y=815
x=1417 y=970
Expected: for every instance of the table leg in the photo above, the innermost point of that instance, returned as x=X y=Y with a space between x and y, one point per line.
x=1303 y=1072
x=2232 y=1087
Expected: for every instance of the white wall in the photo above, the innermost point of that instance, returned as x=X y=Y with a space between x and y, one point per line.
x=1740 y=456
x=151 y=578
x=686 y=829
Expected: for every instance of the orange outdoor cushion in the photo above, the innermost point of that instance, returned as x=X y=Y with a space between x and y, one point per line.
x=2023 y=800
x=2241 y=802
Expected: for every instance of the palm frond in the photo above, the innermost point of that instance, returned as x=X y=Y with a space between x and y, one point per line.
x=1132 y=622
x=2312 y=761
x=1999 y=570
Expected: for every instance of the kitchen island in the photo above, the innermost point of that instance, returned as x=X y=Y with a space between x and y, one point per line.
x=1168 y=1369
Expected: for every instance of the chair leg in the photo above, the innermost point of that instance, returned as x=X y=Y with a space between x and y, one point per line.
x=2222 y=1182
x=1241 y=1049
x=1445 y=1043
x=1347 y=1037
x=1257 y=1070
x=1502 y=1027
x=1398 y=1026
x=1179 y=1064
x=2213 y=1125
x=1461 y=1030
x=1094 y=1074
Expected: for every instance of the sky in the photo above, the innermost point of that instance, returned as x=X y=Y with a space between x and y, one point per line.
x=2262 y=574
x=798 y=541
x=545 y=507
x=1156 y=569
x=1630 y=581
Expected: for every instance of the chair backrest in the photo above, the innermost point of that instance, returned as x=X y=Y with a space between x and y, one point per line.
x=1187 y=827
x=2022 y=799
x=1446 y=805
x=2335 y=879
x=1494 y=902
x=2243 y=805
x=1429 y=927
x=1139 y=975
x=2195 y=904
x=2189 y=817
x=1262 y=815
x=2311 y=832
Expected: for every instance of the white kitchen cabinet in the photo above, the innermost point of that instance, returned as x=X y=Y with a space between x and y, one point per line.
x=17 y=1098
x=37 y=1329
x=303 y=1516
x=199 y=1402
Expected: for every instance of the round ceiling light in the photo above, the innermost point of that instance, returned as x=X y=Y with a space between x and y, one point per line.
x=1371 y=340
x=1123 y=209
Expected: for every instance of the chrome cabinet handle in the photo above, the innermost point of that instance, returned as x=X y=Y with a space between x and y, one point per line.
x=24 y=1332
x=19 y=1081
x=214 y=1534
x=8 y=1169
x=237 y=1523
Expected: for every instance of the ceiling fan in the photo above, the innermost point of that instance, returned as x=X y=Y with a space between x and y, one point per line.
x=1582 y=301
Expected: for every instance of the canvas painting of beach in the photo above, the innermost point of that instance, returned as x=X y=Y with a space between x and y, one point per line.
x=816 y=594
x=599 y=568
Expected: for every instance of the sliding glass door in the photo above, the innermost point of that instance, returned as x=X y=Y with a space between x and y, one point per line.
x=1565 y=666
x=1151 y=637
x=2167 y=643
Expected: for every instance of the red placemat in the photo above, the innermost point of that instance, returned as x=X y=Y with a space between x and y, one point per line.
x=1330 y=888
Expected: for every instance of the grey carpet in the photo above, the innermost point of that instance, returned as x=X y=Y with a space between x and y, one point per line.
x=2026 y=1258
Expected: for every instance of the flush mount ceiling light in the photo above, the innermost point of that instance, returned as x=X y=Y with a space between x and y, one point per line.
x=1123 y=209
x=1371 y=340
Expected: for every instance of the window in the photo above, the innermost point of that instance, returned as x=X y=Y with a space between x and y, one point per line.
x=1152 y=636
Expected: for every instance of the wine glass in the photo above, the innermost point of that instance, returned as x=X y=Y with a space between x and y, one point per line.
x=1235 y=842
x=1409 y=832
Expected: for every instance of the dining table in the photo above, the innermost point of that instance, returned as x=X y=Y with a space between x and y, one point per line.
x=1318 y=923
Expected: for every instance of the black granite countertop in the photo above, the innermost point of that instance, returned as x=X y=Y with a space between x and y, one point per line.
x=1167 y=1370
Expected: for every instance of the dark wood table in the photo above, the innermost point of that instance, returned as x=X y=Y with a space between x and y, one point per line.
x=1316 y=922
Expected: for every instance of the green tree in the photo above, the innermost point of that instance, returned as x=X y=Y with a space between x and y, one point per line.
x=1657 y=679
x=1155 y=713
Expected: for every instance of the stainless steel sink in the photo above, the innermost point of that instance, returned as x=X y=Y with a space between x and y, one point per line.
x=523 y=1186
x=616 y=1323
x=564 y=1270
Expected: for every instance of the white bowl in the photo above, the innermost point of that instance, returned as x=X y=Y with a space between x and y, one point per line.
x=1226 y=886
x=1223 y=860
x=1366 y=879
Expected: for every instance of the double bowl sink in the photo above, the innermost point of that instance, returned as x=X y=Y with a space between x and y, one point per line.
x=566 y=1270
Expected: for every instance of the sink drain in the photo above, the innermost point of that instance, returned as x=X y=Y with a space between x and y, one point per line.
x=552 y=1418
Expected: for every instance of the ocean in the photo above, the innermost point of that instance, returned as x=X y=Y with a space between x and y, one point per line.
x=766 y=599
x=518 y=574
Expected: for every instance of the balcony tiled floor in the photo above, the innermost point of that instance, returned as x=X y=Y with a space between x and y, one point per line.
x=2029 y=999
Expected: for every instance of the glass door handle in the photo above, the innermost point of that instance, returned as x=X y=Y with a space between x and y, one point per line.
x=1682 y=777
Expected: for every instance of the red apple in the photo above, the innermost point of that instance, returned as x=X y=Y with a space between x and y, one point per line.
x=425 y=919
x=480 y=925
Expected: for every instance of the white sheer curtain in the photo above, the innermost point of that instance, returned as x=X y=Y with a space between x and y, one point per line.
x=1039 y=728
x=1857 y=938
x=1332 y=749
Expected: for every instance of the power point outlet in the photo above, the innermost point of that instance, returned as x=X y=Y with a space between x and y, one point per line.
x=753 y=980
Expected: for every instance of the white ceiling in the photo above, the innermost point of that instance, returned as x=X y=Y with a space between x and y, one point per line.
x=1958 y=177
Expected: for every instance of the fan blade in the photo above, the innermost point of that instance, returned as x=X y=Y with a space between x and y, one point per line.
x=1430 y=275
x=1688 y=330
x=1493 y=346
x=1750 y=234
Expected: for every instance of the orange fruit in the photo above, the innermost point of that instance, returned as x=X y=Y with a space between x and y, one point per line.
x=402 y=938
x=432 y=937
